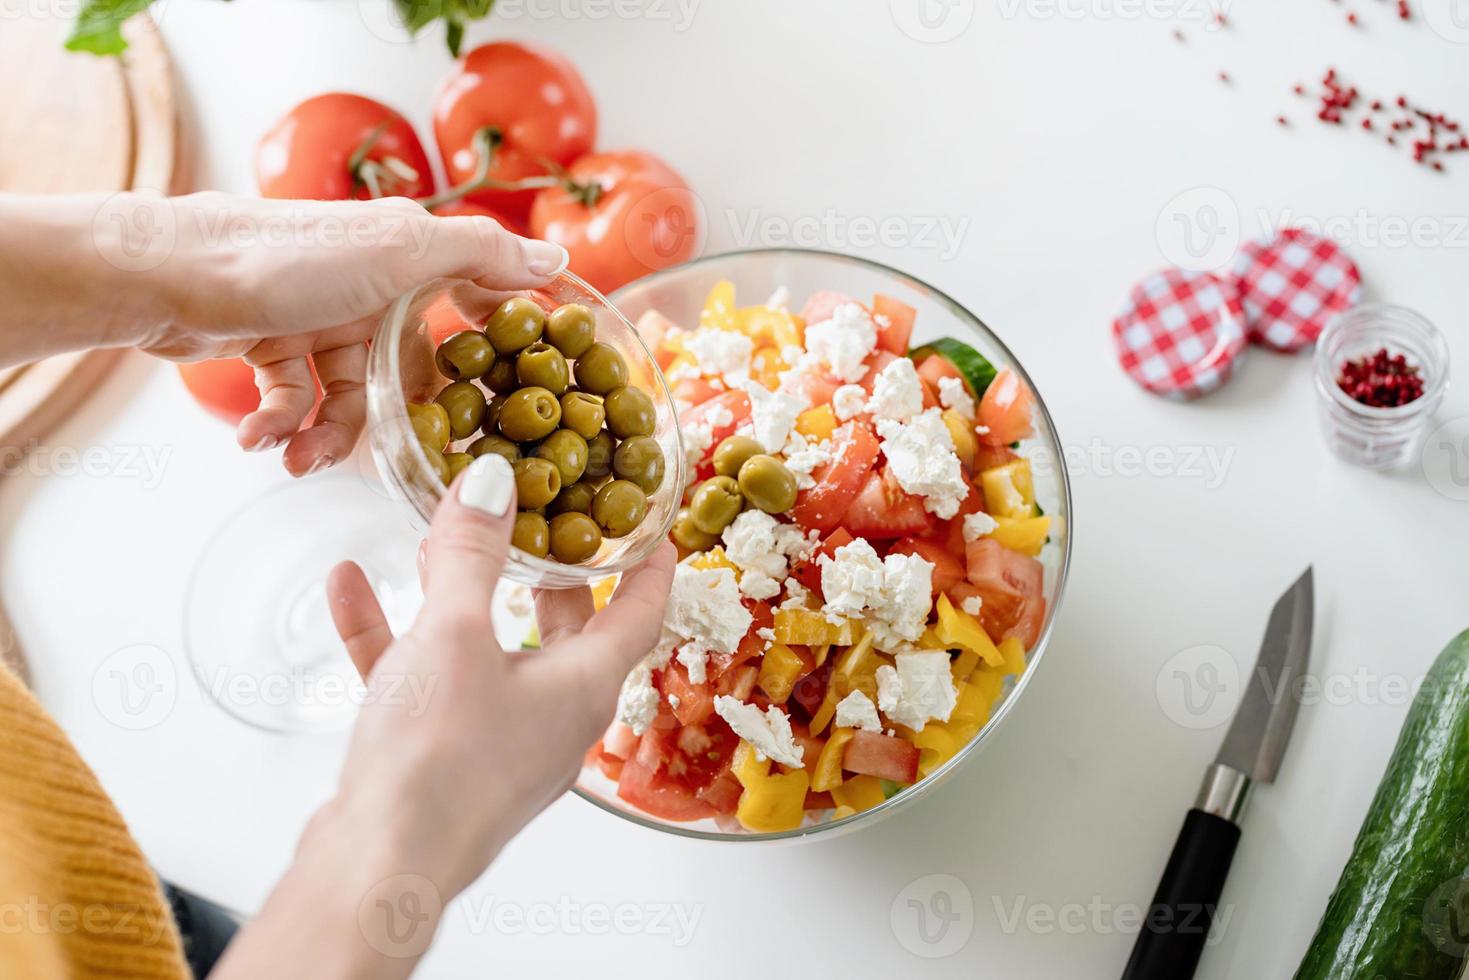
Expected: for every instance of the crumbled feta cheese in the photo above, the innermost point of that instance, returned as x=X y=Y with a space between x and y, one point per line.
x=697 y=439
x=978 y=524
x=856 y=710
x=766 y=633
x=758 y=585
x=901 y=609
x=674 y=701
x=705 y=605
x=803 y=457
x=972 y=605
x=920 y=454
x=694 y=655
x=797 y=596
x=720 y=353
x=518 y=599
x=637 y=702
x=896 y=392
x=921 y=689
x=769 y=734
x=843 y=342
x=772 y=414
x=953 y=393
x=780 y=299
x=851 y=580
x=848 y=401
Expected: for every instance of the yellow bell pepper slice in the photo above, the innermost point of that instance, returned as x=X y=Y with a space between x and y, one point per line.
x=747 y=766
x=719 y=308
x=1009 y=490
x=807 y=627
x=821 y=652
x=780 y=668
x=768 y=325
x=964 y=664
x=777 y=802
x=817 y=423
x=1014 y=654
x=766 y=364
x=828 y=773
x=1026 y=535
x=972 y=703
x=842 y=813
x=715 y=558
x=957 y=628
x=826 y=711
x=936 y=745
x=930 y=640
x=990 y=683
x=961 y=430
x=860 y=793
x=602 y=591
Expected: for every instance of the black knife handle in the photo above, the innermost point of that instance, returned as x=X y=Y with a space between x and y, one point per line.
x=1177 y=924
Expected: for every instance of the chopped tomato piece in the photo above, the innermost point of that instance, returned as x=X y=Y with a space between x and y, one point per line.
x=807 y=571
x=952 y=530
x=876 y=361
x=895 y=334
x=882 y=756
x=1005 y=409
x=660 y=795
x=811 y=745
x=1027 y=628
x=819 y=801
x=694 y=391
x=738 y=682
x=988 y=457
x=817 y=384
x=947 y=568
x=883 y=510
x=854 y=453
x=751 y=646
x=723 y=793
x=822 y=304
x=619 y=740
x=737 y=403
x=1004 y=580
x=695 y=701
x=936 y=367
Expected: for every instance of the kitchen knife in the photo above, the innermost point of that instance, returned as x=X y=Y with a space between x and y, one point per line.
x=1177 y=923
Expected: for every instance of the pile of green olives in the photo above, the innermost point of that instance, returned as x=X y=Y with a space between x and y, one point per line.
x=542 y=391
x=744 y=476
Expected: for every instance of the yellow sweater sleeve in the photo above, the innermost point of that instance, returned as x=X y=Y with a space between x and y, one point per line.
x=77 y=900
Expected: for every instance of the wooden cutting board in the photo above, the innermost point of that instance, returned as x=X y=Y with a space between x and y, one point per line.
x=75 y=122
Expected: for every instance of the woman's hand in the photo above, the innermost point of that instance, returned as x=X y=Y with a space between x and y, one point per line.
x=284 y=284
x=460 y=742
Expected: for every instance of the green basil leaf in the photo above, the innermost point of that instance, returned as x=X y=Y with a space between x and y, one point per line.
x=99 y=25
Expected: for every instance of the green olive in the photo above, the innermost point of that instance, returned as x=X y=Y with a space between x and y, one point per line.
x=715 y=504
x=529 y=414
x=500 y=378
x=639 y=460
x=516 y=325
x=537 y=482
x=568 y=451
x=438 y=464
x=464 y=403
x=768 y=484
x=600 y=449
x=574 y=538
x=688 y=537
x=582 y=413
x=430 y=425
x=733 y=452
x=531 y=534
x=618 y=508
x=490 y=422
x=630 y=413
x=494 y=444
x=600 y=369
x=457 y=462
x=542 y=366
x=465 y=356
x=571 y=329
x=575 y=499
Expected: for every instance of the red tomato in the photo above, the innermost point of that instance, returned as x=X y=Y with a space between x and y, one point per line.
x=693 y=391
x=807 y=571
x=309 y=153
x=1005 y=408
x=947 y=567
x=464 y=207
x=817 y=385
x=1027 y=626
x=659 y=794
x=224 y=388
x=952 y=530
x=821 y=305
x=882 y=510
x=695 y=701
x=737 y=404
x=723 y=793
x=750 y=646
x=737 y=682
x=854 y=453
x=533 y=100
x=882 y=756
x=1004 y=580
x=936 y=367
x=988 y=457
x=643 y=219
x=619 y=740
x=895 y=335
x=811 y=745
x=875 y=363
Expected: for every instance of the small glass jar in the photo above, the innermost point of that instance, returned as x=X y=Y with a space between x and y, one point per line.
x=1378 y=438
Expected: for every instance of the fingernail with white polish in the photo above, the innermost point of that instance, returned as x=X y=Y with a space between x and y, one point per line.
x=321 y=463
x=547 y=259
x=488 y=485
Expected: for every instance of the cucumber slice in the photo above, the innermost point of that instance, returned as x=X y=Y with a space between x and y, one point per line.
x=1396 y=910
x=976 y=369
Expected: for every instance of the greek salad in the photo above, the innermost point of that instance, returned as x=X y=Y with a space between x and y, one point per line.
x=858 y=569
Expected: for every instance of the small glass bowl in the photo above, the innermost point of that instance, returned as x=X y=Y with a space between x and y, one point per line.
x=401 y=368
x=1378 y=438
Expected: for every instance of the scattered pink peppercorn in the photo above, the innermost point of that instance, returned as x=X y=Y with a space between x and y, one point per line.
x=1381 y=380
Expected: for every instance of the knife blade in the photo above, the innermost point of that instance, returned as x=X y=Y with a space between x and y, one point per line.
x=1177 y=925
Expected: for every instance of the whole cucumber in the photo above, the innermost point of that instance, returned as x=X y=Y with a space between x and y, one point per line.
x=1398 y=910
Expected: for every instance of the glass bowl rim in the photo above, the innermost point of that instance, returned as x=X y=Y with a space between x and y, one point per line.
x=923 y=786
x=390 y=329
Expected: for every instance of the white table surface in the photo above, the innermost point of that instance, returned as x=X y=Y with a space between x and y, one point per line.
x=1055 y=137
